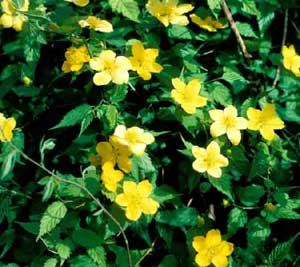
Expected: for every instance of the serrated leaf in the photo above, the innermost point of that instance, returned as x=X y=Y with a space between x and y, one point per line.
x=250 y=195
x=221 y=94
x=73 y=117
x=82 y=261
x=250 y=8
x=52 y=216
x=111 y=115
x=237 y=218
x=179 y=217
x=141 y=166
x=214 y=5
x=258 y=232
x=98 y=255
x=128 y=8
x=85 y=123
x=50 y=262
x=87 y=238
x=245 y=29
x=63 y=250
x=223 y=185
x=260 y=163
x=164 y=193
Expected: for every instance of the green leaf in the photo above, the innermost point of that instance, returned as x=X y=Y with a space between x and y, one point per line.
x=111 y=115
x=128 y=8
x=233 y=76
x=169 y=260
x=118 y=93
x=258 y=232
x=237 y=218
x=249 y=7
x=164 y=193
x=82 y=261
x=63 y=250
x=223 y=185
x=281 y=251
x=214 y=5
x=261 y=161
x=30 y=227
x=221 y=94
x=250 y=195
x=87 y=238
x=142 y=166
x=179 y=217
x=245 y=29
x=74 y=116
x=85 y=123
x=50 y=262
x=98 y=255
x=52 y=216
x=238 y=159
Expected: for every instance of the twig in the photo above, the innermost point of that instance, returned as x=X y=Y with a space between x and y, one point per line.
x=82 y=188
x=149 y=250
x=285 y=26
x=235 y=30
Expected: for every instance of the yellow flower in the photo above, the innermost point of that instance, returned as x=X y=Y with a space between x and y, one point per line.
x=265 y=121
x=209 y=23
x=110 y=177
x=212 y=249
x=96 y=24
x=135 y=138
x=209 y=160
x=115 y=152
x=75 y=59
x=227 y=122
x=110 y=68
x=11 y=17
x=6 y=127
x=136 y=199
x=291 y=60
x=27 y=81
x=143 y=61
x=80 y=3
x=168 y=12
x=188 y=95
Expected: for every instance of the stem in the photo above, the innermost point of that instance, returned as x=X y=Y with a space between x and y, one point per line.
x=82 y=188
x=235 y=30
x=285 y=27
x=149 y=250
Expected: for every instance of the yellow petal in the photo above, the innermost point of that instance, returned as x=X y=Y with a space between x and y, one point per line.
x=105 y=150
x=147 y=138
x=213 y=237
x=234 y=136
x=216 y=114
x=102 y=78
x=220 y=261
x=184 y=8
x=217 y=129
x=130 y=187
x=149 y=206
x=230 y=111
x=122 y=200
x=199 y=243
x=133 y=212
x=124 y=164
x=120 y=76
x=6 y=20
x=81 y=3
x=178 y=84
x=226 y=248
x=199 y=166
x=123 y=63
x=194 y=85
x=199 y=152
x=144 y=188
x=214 y=171
x=96 y=64
x=104 y=26
x=137 y=49
x=241 y=123
x=188 y=108
x=138 y=149
x=267 y=133
x=213 y=148
x=203 y=259
x=253 y=114
x=180 y=20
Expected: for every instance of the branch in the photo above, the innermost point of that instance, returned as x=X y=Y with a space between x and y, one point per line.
x=285 y=26
x=60 y=179
x=235 y=30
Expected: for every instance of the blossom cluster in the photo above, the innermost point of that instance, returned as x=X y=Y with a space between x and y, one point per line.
x=6 y=127
x=291 y=60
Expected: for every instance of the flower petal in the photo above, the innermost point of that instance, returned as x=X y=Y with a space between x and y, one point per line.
x=129 y=188
x=226 y=248
x=144 y=188
x=217 y=129
x=213 y=237
x=220 y=261
x=203 y=259
x=199 y=243
x=133 y=212
x=122 y=200
x=102 y=78
x=234 y=136
x=149 y=206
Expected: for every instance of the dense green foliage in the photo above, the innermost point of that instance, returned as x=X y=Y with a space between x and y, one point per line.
x=52 y=219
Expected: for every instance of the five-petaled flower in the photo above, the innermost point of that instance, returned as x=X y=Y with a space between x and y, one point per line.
x=168 y=12
x=210 y=24
x=110 y=177
x=80 y=3
x=209 y=160
x=265 y=121
x=75 y=59
x=135 y=138
x=227 y=121
x=12 y=16
x=212 y=249
x=6 y=127
x=115 y=152
x=187 y=95
x=110 y=67
x=143 y=60
x=96 y=24
x=136 y=199
x=291 y=60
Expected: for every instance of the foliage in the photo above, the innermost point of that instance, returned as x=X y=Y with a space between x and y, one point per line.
x=163 y=81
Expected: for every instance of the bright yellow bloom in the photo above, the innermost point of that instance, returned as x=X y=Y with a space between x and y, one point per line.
x=115 y=152
x=96 y=24
x=11 y=17
x=110 y=68
x=168 y=12
x=209 y=160
x=110 y=177
x=75 y=59
x=136 y=199
x=209 y=23
x=227 y=121
x=187 y=95
x=265 y=121
x=27 y=81
x=6 y=127
x=291 y=60
x=80 y=3
x=212 y=249
x=135 y=138
x=143 y=61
